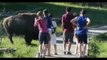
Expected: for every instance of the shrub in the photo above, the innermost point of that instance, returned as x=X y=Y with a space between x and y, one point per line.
x=94 y=49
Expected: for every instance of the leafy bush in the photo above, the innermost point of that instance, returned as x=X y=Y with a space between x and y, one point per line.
x=94 y=49
x=97 y=46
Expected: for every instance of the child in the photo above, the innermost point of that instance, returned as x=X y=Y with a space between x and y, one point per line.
x=53 y=34
x=43 y=34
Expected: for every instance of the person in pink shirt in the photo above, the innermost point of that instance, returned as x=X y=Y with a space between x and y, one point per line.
x=43 y=34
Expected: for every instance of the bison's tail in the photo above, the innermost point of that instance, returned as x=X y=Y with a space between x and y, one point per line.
x=1 y=28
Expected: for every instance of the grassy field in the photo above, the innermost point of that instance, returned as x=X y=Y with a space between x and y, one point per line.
x=97 y=16
x=22 y=50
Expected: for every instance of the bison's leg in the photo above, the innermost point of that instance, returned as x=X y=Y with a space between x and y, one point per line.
x=10 y=37
x=10 y=34
x=28 y=39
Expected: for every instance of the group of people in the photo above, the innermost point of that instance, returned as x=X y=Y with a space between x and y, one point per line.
x=47 y=32
x=71 y=23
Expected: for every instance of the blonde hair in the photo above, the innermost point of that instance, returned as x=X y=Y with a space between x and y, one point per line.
x=39 y=13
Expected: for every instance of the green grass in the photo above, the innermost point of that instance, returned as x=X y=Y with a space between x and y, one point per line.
x=103 y=47
x=22 y=50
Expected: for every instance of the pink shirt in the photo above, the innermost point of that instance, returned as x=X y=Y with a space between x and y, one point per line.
x=41 y=24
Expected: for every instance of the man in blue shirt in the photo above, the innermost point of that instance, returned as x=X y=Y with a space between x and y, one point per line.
x=49 y=25
x=82 y=23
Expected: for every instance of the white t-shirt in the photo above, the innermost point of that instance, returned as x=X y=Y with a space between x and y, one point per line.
x=53 y=36
x=54 y=24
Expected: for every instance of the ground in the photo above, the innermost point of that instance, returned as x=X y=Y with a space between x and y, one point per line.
x=92 y=31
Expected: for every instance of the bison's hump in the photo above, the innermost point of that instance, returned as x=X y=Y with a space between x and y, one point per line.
x=6 y=18
x=22 y=14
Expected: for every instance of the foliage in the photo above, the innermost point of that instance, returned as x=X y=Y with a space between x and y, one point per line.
x=94 y=49
x=97 y=46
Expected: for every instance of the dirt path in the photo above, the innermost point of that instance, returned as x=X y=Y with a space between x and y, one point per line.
x=93 y=31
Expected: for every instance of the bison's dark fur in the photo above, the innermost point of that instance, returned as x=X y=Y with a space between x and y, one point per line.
x=21 y=24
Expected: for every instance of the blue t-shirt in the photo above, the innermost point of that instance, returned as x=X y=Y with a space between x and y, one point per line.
x=81 y=23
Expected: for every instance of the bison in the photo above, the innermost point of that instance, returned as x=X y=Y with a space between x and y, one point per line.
x=21 y=24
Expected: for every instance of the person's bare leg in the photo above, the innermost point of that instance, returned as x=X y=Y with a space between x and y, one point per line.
x=45 y=49
x=40 y=50
x=77 y=48
x=80 y=49
x=65 y=43
x=84 y=49
x=55 y=47
x=69 y=46
x=49 y=47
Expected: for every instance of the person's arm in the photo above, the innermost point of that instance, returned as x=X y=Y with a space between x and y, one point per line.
x=55 y=25
x=73 y=21
x=88 y=21
x=62 y=21
x=50 y=21
x=35 y=23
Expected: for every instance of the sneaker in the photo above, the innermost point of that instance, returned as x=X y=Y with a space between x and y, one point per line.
x=56 y=54
x=69 y=53
x=85 y=56
x=43 y=57
x=65 y=53
x=81 y=56
x=39 y=55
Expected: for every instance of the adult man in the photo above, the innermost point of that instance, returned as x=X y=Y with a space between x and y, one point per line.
x=82 y=29
x=49 y=25
x=68 y=30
